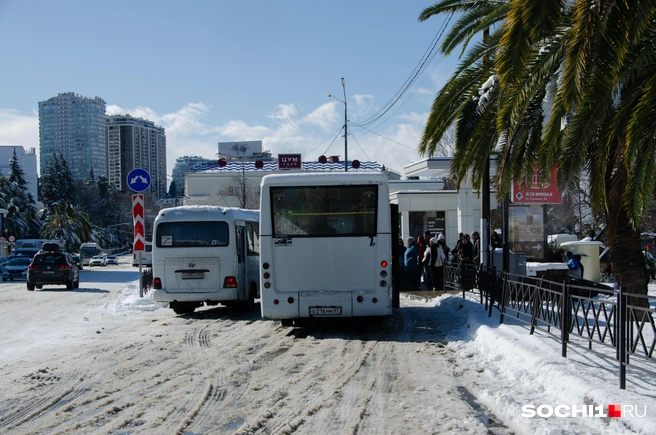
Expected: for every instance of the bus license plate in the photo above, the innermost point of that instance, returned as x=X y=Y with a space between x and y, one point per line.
x=325 y=311
x=193 y=275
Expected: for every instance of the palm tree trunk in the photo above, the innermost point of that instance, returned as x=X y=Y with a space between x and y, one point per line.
x=628 y=261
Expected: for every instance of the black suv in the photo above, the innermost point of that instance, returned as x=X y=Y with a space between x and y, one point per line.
x=52 y=266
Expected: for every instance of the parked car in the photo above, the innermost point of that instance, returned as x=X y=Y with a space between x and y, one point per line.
x=16 y=268
x=53 y=267
x=98 y=260
x=78 y=261
x=112 y=259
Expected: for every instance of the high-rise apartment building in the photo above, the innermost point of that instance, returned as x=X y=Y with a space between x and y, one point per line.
x=136 y=143
x=183 y=165
x=75 y=127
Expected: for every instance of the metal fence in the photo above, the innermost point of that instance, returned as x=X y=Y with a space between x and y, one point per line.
x=609 y=322
x=145 y=281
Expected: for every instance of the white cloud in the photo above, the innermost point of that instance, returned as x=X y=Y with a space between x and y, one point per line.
x=363 y=99
x=424 y=91
x=188 y=132
x=19 y=129
x=324 y=116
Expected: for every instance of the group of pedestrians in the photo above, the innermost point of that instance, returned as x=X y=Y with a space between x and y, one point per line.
x=424 y=257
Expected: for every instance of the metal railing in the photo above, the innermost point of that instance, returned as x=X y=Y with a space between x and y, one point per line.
x=609 y=322
x=146 y=281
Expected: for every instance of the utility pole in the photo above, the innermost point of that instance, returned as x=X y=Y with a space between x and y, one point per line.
x=345 y=129
x=345 y=123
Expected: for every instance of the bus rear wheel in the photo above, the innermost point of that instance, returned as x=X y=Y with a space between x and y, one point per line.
x=182 y=307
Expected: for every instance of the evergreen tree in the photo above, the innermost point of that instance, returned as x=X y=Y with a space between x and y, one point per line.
x=173 y=189
x=57 y=183
x=21 y=220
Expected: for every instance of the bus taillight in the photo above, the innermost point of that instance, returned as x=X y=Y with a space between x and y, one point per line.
x=266 y=275
x=230 y=282
x=374 y=300
x=157 y=283
x=383 y=263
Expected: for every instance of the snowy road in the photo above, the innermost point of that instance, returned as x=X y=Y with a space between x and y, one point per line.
x=99 y=360
x=80 y=362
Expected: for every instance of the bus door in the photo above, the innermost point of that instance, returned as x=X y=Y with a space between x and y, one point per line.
x=242 y=275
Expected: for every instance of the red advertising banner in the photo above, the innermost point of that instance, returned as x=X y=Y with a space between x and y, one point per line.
x=532 y=191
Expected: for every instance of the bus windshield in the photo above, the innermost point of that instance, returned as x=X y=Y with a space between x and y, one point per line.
x=192 y=234
x=324 y=211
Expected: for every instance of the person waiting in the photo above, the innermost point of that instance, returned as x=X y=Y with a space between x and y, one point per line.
x=574 y=265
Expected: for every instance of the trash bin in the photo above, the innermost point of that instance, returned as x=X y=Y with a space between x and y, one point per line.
x=589 y=251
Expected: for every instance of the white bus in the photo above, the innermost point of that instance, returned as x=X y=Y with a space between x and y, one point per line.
x=87 y=251
x=326 y=246
x=205 y=255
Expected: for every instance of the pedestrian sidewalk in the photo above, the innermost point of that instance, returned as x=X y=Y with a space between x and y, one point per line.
x=426 y=294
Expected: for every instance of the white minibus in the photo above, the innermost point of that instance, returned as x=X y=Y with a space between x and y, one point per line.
x=326 y=246
x=205 y=255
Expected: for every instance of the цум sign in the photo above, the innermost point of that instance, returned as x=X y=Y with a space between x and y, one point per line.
x=289 y=161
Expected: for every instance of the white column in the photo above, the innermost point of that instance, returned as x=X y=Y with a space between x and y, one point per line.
x=466 y=206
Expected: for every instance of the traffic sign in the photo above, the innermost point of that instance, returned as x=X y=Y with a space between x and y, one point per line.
x=138 y=217
x=12 y=238
x=138 y=180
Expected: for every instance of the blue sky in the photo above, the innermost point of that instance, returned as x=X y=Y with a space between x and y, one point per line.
x=219 y=71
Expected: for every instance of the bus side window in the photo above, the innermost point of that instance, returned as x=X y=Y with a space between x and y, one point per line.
x=252 y=232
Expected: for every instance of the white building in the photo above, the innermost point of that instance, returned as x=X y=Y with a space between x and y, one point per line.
x=27 y=162
x=238 y=182
x=423 y=202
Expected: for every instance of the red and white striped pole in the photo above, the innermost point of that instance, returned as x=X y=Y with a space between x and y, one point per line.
x=139 y=244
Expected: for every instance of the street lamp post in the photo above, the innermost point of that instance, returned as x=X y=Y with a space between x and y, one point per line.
x=345 y=123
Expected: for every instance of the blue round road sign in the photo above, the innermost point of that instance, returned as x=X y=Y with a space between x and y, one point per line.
x=138 y=180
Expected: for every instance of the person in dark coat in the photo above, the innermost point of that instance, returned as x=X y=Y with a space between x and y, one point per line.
x=466 y=259
x=495 y=241
x=410 y=265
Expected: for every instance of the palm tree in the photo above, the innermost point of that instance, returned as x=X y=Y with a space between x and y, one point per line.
x=576 y=88
x=469 y=100
x=599 y=57
x=65 y=222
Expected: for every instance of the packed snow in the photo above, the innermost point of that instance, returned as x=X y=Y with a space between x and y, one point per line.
x=102 y=359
